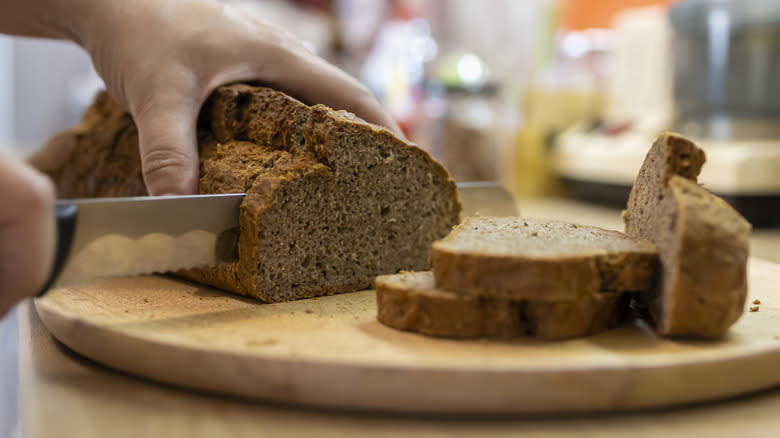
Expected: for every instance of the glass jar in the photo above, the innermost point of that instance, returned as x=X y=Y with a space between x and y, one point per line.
x=726 y=66
x=465 y=128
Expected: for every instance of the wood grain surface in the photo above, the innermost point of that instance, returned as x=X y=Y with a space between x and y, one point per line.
x=331 y=352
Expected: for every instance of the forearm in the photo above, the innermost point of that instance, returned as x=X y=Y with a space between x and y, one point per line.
x=61 y=19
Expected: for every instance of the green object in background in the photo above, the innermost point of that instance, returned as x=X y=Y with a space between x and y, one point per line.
x=544 y=53
x=462 y=70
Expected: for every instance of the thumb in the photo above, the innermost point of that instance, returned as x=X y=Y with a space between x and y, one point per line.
x=169 y=153
x=27 y=231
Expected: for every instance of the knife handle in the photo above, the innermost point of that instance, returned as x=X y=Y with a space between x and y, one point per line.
x=66 y=214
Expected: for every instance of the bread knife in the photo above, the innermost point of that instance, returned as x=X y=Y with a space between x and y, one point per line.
x=106 y=237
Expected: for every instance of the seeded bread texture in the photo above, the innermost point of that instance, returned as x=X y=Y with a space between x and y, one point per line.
x=702 y=242
x=524 y=259
x=411 y=302
x=331 y=201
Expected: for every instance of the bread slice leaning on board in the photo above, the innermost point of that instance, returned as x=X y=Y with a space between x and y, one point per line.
x=702 y=242
x=331 y=201
x=492 y=275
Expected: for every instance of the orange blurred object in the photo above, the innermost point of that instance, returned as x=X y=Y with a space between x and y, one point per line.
x=579 y=15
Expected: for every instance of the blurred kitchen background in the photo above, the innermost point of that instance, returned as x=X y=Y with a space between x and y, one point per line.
x=550 y=97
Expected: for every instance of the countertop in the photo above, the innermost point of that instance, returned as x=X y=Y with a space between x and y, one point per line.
x=63 y=395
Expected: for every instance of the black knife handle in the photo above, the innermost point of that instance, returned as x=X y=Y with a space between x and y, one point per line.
x=66 y=214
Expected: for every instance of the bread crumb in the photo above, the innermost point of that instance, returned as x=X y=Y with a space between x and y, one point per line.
x=309 y=311
x=754 y=308
x=756 y=301
x=146 y=300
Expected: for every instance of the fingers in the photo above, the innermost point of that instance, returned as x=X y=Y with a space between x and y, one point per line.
x=282 y=62
x=315 y=80
x=169 y=155
x=187 y=49
x=27 y=231
x=333 y=87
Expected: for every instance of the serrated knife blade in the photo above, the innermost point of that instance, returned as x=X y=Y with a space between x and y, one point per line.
x=107 y=237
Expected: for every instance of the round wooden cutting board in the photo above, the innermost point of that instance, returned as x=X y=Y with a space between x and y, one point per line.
x=331 y=352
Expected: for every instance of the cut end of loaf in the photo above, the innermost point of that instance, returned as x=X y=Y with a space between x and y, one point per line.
x=370 y=204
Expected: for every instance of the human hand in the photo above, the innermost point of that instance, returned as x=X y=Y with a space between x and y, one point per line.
x=27 y=231
x=162 y=59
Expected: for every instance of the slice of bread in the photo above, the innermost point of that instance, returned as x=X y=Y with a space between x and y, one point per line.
x=702 y=243
x=524 y=259
x=670 y=154
x=331 y=201
x=410 y=301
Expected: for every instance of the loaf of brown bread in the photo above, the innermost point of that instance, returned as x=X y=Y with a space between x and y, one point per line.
x=702 y=243
x=524 y=259
x=331 y=201
x=410 y=301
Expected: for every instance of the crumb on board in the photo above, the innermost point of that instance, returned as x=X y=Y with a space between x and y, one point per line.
x=309 y=311
x=756 y=301
x=754 y=308
x=146 y=300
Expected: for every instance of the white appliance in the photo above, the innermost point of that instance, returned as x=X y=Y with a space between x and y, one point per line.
x=697 y=77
